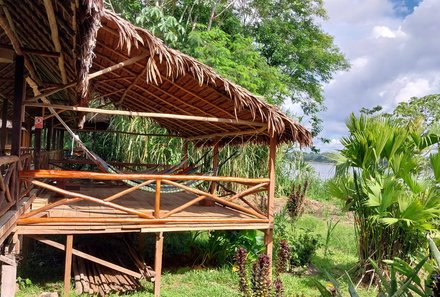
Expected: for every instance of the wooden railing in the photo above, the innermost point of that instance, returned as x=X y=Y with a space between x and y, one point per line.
x=251 y=212
x=12 y=190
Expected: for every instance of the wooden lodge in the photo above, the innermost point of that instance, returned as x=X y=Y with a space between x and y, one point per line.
x=56 y=56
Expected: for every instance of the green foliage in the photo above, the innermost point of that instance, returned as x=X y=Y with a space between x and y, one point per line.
x=303 y=247
x=394 y=202
x=424 y=108
x=274 y=48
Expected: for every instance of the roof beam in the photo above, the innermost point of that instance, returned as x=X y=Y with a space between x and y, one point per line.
x=55 y=38
x=150 y=114
x=31 y=51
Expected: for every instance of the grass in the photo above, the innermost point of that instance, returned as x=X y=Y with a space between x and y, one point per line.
x=186 y=281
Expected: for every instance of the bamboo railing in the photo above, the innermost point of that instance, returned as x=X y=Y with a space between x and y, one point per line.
x=250 y=213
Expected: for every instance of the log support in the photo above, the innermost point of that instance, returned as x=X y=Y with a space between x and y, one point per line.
x=68 y=264
x=158 y=263
x=271 y=200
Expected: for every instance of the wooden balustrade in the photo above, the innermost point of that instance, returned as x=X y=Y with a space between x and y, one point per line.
x=235 y=201
x=11 y=188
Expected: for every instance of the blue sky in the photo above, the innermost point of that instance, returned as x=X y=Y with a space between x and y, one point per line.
x=394 y=50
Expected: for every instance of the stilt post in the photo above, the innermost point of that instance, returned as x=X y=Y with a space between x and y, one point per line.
x=37 y=148
x=271 y=200
x=19 y=93
x=68 y=264
x=8 y=274
x=158 y=263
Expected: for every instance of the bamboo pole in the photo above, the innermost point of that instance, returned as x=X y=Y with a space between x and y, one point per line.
x=148 y=114
x=34 y=174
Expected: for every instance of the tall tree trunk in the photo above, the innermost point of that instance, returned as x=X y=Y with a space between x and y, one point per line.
x=212 y=17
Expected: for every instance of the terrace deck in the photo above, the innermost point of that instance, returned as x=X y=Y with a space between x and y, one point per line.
x=102 y=219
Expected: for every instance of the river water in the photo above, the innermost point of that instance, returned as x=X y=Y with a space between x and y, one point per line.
x=324 y=170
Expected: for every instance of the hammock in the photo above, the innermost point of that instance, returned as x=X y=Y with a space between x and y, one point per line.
x=105 y=167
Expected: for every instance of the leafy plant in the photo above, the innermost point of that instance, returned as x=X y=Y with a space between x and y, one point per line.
x=295 y=203
x=303 y=247
x=394 y=204
x=330 y=228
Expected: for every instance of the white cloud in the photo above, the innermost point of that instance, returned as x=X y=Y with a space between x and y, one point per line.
x=386 y=32
x=393 y=58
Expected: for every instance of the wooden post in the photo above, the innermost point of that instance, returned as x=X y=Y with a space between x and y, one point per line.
x=61 y=140
x=4 y=131
x=158 y=263
x=37 y=148
x=268 y=234
x=68 y=264
x=213 y=186
x=8 y=272
x=157 y=200
x=19 y=93
x=49 y=134
x=185 y=154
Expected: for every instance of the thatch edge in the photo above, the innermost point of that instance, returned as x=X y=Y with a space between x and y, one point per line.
x=178 y=64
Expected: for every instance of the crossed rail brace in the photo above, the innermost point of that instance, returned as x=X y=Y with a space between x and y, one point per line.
x=11 y=188
x=143 y=217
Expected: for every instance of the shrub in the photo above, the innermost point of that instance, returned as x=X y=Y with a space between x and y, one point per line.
x=303 y=247
x=295 y=203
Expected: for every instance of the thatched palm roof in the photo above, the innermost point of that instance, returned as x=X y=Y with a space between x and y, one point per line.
x=163 y=81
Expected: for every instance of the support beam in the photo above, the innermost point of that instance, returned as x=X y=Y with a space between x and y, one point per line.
x=4 y=131
x=271 y=200
x=19 y=93
x=150 y=114
x=55 y=38
x=68 y=265
x=87 y=256
x=158 y=263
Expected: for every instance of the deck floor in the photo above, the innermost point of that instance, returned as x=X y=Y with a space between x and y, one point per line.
x=139 y=201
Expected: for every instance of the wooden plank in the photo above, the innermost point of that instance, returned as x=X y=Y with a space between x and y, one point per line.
x=110 y=176
x=158 y=263
x=68 y=264
x=148 y=114
x=87 y=256
x=93 y=220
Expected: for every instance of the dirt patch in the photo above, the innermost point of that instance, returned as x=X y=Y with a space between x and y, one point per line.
x=321 y=209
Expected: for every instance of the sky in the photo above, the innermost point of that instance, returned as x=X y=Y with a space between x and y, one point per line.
x=393 y=47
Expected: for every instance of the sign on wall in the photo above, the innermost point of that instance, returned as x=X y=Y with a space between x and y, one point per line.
x=38 y=123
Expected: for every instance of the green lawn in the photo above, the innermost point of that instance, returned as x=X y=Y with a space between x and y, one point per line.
x=224 y=282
